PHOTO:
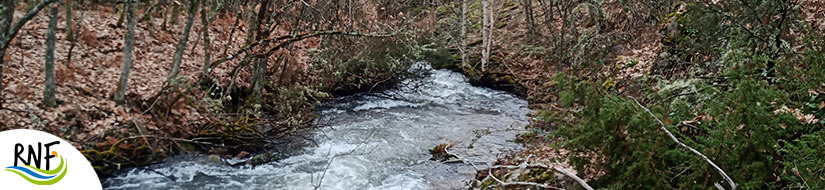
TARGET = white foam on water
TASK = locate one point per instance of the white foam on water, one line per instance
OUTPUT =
(384, 104)
(379, 143)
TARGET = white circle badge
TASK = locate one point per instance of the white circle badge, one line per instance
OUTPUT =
(31, 159)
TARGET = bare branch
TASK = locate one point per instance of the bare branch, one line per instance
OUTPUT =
(22, 21)
(289, 39)
(490, 173)
(351, 152)
(672, 137)
(555, 169)
(524, 165)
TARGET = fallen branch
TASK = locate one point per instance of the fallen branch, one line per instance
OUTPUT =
(447, 150)
(524, 165)
(503, 184)
(541, 166)
(672, 137)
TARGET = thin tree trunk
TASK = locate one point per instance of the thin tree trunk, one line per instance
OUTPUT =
(173, 73)
(528, 17)
(261, 62)
(485, 32)
(232, 32)
(491, 26)
(74, 36)
(173, 17)
(151, 27)
(571, 20)
(252, 25)
(235, 73)
(548, 16)
(6, 16)
(163, 15)
(463, 27)
(284, 66)
(120, 94)
(257, 77)
(8, 32)
(492, 29)
(122, 16)
(147, 15)
(207, 43)
(48, 91)
(69, 17)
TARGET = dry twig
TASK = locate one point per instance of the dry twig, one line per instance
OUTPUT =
(524, 165)
(672, 137)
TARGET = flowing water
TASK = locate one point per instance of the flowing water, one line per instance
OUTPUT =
(376, 141)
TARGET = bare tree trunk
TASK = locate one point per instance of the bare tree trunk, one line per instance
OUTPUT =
(572, 21)
(252, 24)
(528, 17)
(463, 34)
(147, 16)
(261, 62)
(8, 32)
(238, 16)
(120, 18)
(73, 42)
(207, 43)
(257, 77)
(284, 66)
(485, 32)
(491, 26)
(48, 91)
(6, 16)
(548, 16)
(127, 54)
(173, 17)
(163, 15)
(69, 17)
(173, 73)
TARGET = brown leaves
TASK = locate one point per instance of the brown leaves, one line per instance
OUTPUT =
(804, 118)
(111, 140)
(85, 86)
(89, 37)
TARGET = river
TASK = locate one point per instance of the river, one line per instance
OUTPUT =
(377, 141)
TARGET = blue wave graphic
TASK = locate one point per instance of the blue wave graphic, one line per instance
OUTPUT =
(30, 172)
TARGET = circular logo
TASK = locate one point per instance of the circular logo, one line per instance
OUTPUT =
(32, 159)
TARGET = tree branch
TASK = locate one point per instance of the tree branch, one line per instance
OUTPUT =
(23, 20)
(672, 137)
(289, 39)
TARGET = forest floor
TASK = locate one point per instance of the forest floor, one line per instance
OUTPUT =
(87, 74)
(157, 121)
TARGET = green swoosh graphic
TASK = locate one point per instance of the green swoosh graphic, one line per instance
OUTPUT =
(49, 172)
(47, 182)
